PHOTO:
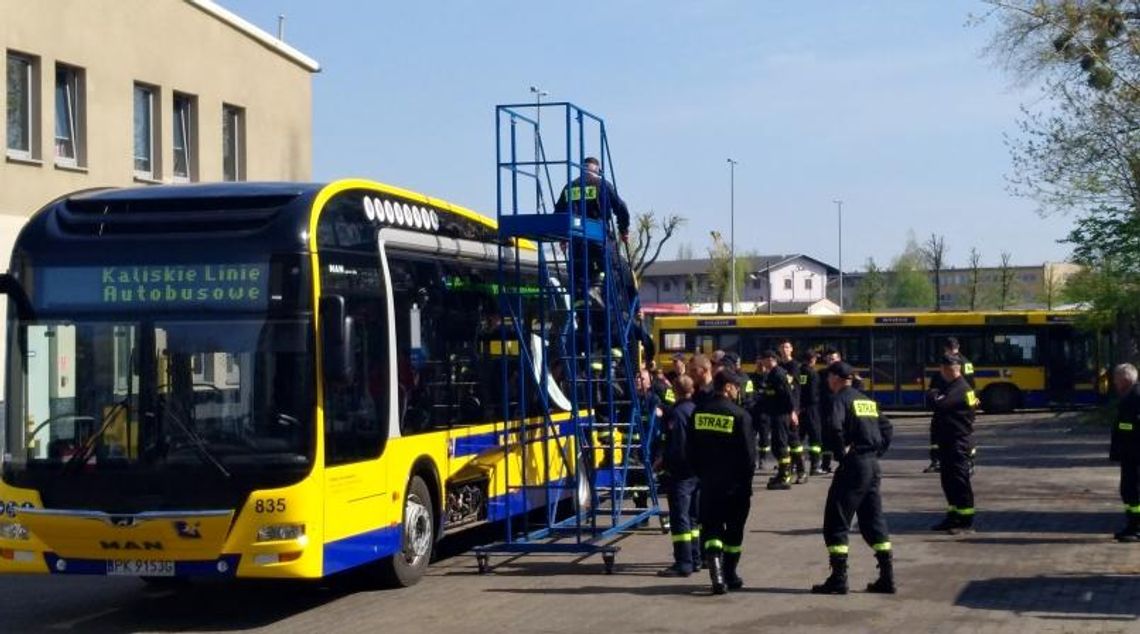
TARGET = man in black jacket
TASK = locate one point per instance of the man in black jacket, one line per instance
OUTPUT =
(1125, 448)
(953, 427)
(950, 346)
(723, 452)
(777, 399)
(810, 430)
(858, 435)
(684, 487)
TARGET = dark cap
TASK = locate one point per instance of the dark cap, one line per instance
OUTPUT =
(726, 376)
(950, 359)
(679, 356)
(950, 342)
(769, 354)
(842, 370)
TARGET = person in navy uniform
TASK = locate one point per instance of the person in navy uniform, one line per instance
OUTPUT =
(1125, 448)
(950, 346)
(858, 435)
(601, 202)
(953, 424)
(683, 484)
(723, 451)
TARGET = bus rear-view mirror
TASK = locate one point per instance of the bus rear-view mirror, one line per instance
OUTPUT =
(336, 340)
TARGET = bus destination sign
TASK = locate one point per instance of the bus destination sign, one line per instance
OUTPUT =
(154, 287)
(895, 320)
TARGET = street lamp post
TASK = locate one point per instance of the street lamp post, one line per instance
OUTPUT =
(732, 229)
(839, 206)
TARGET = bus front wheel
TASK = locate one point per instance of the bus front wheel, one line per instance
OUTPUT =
(417, 537)
(999, 399)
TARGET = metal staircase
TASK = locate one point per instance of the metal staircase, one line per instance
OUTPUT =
(576, 442)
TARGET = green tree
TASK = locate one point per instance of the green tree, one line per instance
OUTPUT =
(720, 271)
(871, 291)
(910, 286)
(1079, 150)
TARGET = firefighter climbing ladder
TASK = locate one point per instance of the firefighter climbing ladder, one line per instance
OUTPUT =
(574, 436)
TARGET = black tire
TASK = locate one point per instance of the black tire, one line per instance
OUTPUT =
(407, 567)
(999, 399)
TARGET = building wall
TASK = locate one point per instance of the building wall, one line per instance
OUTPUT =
(672, 289)
(798, 274)
(171, 45)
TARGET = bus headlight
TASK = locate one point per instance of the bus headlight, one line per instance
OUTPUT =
(280, 532)
(14, 531)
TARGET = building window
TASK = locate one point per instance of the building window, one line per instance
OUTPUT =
(233, 143)
(145, 144)
(807, 283)
(185, 137)
(757, 283)
(788, 284)
(23, 101)
(69, 113)
(666, 286)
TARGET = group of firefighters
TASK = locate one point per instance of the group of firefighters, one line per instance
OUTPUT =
(719, 424)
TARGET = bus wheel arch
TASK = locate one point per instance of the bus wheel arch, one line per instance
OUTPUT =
(1001, 398)
(419, 527)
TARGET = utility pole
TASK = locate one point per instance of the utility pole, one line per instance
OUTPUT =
(732, 229)
(839, 205)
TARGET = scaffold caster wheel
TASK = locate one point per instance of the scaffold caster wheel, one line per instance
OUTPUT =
(482, 562)
(608, 562)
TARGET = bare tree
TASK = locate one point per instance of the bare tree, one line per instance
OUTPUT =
(975, 277)
(649, 237)
(934, 252)
(684, 251)
(1052, 285)
(720, 271)
(1006, 277)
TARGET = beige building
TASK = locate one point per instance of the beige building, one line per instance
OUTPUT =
(133, 92)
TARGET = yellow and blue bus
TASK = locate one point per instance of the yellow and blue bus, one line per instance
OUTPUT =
(1022, 359)
(256, 380)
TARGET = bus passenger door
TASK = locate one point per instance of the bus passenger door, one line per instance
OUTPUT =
(1061, 367)
(911, 363)
(884, 357)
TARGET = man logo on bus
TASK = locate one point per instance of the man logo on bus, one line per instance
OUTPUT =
(186, 530)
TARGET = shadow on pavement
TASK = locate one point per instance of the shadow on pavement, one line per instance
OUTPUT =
(1113, 597)
(1012, 522)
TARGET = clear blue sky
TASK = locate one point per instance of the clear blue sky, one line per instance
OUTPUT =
(888, 105)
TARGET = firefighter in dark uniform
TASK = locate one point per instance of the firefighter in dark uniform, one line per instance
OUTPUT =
(950, 346)
(826, 400)
(858, 435)
(601, 202)
(700, 369)
(684, 487)
(953, 423)
(760, 421)
(1125, 448)
(809, 388)
(778, 402)
(723, 450)
(788, 362)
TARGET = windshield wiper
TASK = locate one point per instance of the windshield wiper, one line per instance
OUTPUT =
(198, 444)
(81, 456)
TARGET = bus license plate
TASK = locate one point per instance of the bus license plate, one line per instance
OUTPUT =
(140, 568)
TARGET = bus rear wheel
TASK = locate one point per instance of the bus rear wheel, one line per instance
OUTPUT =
(999, 399)
(417, 537)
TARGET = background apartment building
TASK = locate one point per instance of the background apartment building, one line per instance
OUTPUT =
(117, 93)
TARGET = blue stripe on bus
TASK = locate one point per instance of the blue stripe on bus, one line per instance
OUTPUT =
(500, 506)
(478, 443)
(181, 568)
(361, 549)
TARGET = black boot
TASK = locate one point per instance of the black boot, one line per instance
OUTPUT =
(731, 579)
(837, 582)
(1131, 530)
(947, 523)
(715, 564)
(780, 481)
(885, 584)
(798, 465)
(682, 561)
(963, 524)
(825, 463)
(814, 471)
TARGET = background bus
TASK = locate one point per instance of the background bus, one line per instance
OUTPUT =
(1021, 359)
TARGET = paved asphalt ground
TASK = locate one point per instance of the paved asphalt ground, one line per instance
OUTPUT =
(1042, 560)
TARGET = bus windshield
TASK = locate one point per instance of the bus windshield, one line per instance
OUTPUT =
(223, 396)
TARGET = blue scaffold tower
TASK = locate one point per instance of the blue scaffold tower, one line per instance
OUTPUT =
(576, 443)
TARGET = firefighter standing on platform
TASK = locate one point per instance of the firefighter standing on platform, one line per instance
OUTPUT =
(953, 424)
(684, 487)
(809, 409)
(1125, 448)
(950, 346)
(858, 435)
(778, 402)
(724, 454)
